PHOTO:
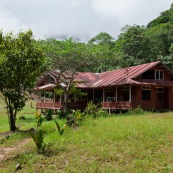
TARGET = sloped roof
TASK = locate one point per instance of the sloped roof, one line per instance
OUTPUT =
(45, 87)
(115, 77)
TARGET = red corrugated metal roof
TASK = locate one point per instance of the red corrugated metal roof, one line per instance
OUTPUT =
(115, 77)
(154, 82)
(120, 76)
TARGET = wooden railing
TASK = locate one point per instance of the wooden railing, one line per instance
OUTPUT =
(116, 105)
(57, 105)
(50, 105)
(82, 105)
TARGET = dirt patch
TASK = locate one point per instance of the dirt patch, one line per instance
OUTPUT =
(4, 152)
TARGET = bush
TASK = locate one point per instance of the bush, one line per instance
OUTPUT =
(37, 136)
(49, 115)
(94, 110)
(102, 113)
(63, 114)
(74, 119)
(136, 111)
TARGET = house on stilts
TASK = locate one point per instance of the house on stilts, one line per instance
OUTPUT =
(149, 86)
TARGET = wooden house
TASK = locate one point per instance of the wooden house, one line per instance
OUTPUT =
(148, 85)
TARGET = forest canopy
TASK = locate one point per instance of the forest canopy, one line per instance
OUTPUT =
(134, 45)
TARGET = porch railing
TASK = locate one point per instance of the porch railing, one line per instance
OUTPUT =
(50, 105)
(82, 105)
(58, 105)
(116, 105)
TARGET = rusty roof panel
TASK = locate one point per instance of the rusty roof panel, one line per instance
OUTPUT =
(122, 76)
(112, 78)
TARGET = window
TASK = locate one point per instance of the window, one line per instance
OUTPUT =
(148, 74)
(126, 90)
(146, 92)
(159, 75)
(159, 90)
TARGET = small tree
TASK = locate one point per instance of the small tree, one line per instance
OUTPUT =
(69, 57)
(22, 63)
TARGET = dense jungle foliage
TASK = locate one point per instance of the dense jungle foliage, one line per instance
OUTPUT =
(135, 45)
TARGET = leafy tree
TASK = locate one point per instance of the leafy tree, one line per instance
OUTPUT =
(22, 64)
(133, 46)
(69, 57)
(168, 60)
(161, 37)
(102, 38)
(165, 17)
(105, 58)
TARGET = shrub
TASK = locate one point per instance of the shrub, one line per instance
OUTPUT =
(102, 112)
(91, 109)
(94, 110)
(38, 120)
(63, 114)
(60, 130)
(37, 136)
(74, 119)
(49, 115)
(136, 111)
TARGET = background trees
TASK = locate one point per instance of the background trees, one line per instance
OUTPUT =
(22, 64)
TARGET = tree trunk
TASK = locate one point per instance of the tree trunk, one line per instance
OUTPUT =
(65, 103)
(12, 120)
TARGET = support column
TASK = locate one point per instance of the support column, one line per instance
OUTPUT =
(93, 96)
(116, 94)
(44, 96)
(103, 95)
(40, 96)
(54, 96)
(60, 98)
(130, 94)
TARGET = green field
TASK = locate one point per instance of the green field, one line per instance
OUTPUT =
(117, 143)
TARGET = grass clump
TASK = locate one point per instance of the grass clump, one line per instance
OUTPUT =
(136, 111)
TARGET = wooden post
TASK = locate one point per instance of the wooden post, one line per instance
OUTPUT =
(44, 96)
(116, 94)
(109, 111)
(130, 95)
(103, 95)
(54, 97)
(93, 96)
(60, 98)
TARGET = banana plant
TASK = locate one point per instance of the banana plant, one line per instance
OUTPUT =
(60, 130)
(38, 138)
(38, 119)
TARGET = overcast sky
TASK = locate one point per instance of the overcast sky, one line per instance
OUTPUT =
(77, 18)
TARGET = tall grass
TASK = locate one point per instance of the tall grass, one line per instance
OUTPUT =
(120, 143)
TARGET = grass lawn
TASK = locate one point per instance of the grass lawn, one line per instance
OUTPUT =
(117, 143)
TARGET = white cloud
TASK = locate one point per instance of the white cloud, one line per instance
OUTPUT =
(77, 18)
(10, 23)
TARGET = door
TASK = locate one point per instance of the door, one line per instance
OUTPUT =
(161, 98)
